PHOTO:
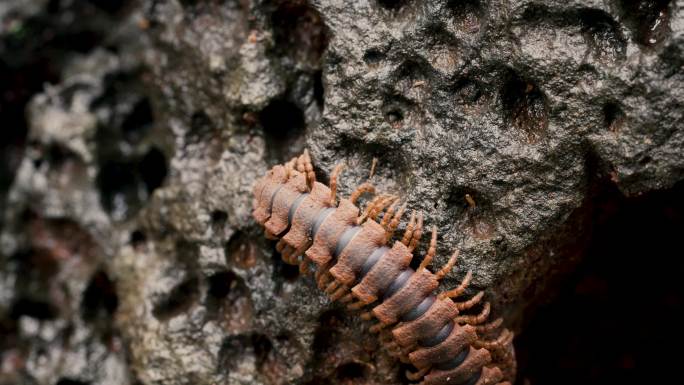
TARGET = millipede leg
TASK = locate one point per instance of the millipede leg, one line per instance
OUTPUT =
(307, 167)
(388, 214)
(475, 319)
(408, 234)
(363, 188)
(394, 223)
(488, 327)
(290, 167)
(374, 163)
(339, 293)
(381, 207)
(333, 183)
(417, 233)
(431, 250)
(417, 375)
(498, 344)
(285, 252)
(291, 255)
(386, 337)
(304, 268)
(356, 305)
(372, 206)
(280, 246)
(453, 293)
(465, 305)
(377, 328)
(349, 297)
(322, 277)
(449, 265)
(332, 287)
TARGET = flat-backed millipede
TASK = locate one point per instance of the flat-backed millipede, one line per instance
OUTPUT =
(356, 264)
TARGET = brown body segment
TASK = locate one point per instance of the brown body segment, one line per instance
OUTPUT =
(321, 251)
(461, 337)
(381, 276)
(418, 287)
(408, 334)
(302, 220)
(352, 258)
(282, 201)
(264, 190)
(289, 203)
(473, 364)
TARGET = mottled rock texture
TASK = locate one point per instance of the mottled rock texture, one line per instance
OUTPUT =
(128, 250)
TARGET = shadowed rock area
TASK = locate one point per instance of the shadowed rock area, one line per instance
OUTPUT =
(133, 132)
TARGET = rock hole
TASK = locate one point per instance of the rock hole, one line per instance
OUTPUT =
(138, 122)
(613, 117)
(468, 91)
(119, 189)
(112, 7)
(373, 56)
(461, 199)
(350, 371)
(282, 270)
(318, 89)
(624, 230)
(71, 381)
(33, 308)
(526, 107)
(649, 20)
(645, 160)
(326, 332)
(219, 219)
(392, 4)
(463, 9)
(396, 109)
(236, 348)
(602, 34)
(283, 124)
(394, 115)
(240, 250)
(412, 70)
(223, 283)
(299, 31)
(179, 300)
(152, 168)
(138, 239)
(225, 289)
(262, 347)
(99, 298)
(201, 126)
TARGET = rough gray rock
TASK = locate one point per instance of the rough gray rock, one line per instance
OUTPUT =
(152, 151)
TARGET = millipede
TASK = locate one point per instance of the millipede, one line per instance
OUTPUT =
(357, 260)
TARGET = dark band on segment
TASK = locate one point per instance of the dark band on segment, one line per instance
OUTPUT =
(454, 362)
(294, 207)
(344, 240)
(270, 206)
(320, 218)
(474, 379)
(398, 283)
(442, 335)
(419, 310)
(372, 260)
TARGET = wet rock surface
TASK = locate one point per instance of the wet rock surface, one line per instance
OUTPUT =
(138, 128)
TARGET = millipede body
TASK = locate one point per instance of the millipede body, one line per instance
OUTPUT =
(358, 261)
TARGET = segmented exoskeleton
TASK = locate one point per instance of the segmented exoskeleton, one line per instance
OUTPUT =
(355, 263)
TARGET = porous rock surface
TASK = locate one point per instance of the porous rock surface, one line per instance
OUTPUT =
(135, 180)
